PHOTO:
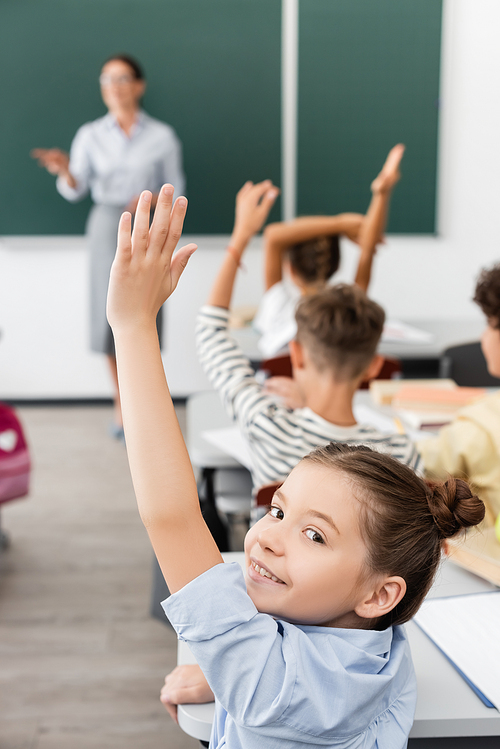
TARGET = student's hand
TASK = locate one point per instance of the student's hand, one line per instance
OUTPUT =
(286, 390)
(253, 203)
(184, 685)
(144, 273)
(54, 160)
(390, 173)
(131, 206)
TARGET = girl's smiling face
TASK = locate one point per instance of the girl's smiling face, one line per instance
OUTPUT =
(305, 560)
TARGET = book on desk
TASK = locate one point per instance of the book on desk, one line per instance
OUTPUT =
(465, 629)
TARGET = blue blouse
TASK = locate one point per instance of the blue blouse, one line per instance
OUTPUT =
(116, 167)
(282, 685)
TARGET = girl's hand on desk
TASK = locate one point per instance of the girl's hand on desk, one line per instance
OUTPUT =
(184, 685)
(145, 271)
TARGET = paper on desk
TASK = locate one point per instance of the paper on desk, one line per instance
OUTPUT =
(466, 629)
(230, 440)
(396, 331)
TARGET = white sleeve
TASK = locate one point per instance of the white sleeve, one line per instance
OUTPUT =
(80, 168)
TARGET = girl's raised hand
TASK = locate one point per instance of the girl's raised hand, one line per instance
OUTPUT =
(253, 203)
(389, 174)
(145, 270)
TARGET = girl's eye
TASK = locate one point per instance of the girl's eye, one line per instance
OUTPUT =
(315, 536)
(276, 512)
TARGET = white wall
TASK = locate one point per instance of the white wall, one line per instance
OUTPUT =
(43, 281)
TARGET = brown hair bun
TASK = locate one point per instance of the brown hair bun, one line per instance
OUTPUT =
(453, 506)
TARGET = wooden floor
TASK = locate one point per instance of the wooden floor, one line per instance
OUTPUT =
(82, 662)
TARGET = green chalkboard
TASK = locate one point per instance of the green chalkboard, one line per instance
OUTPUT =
(368, 78)
(213, 70)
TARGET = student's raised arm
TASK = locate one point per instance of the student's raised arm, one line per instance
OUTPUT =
(253, 203)
(374, 223)
(144, 274)
(279, 237)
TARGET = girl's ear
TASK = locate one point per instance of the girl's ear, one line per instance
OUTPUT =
(383, 598)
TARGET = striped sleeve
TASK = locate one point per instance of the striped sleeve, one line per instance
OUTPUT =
(228, 369)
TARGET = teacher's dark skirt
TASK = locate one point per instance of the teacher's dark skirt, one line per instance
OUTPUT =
(101, 231)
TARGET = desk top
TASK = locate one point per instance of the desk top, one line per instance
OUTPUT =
(205, 411)
(446, 705)
(446, 333)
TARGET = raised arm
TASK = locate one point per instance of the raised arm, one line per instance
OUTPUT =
(375, 221)
(144, 274)
(280, 236)
(253, 203)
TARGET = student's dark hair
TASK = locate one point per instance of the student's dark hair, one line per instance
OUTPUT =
(403, 518)
(316, 260)
(134, 66)
(487, 294)
(340, 327)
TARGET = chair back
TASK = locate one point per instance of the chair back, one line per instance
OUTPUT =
(266, 493)
(467, 366)
(281, 366)
(278, 366)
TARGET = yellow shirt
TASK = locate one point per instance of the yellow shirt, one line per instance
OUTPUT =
(469, 448)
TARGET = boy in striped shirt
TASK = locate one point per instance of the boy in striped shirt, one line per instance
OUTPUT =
(338, 331)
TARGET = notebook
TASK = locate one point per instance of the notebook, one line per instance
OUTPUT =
(467, 630)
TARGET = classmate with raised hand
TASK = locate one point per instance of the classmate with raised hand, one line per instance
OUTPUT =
(338, 331)
(301, 255)
(307, 648)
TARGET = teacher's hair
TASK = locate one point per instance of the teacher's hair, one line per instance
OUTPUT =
(131, 62)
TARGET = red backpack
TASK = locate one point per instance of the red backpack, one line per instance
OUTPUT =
(14, 457)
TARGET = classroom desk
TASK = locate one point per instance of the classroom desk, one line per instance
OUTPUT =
(446, 706)
(446, 333)
(205, 411)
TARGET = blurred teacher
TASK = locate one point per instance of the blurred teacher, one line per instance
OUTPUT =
(115, 157)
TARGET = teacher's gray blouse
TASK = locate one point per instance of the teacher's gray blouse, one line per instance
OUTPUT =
(116, 167)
